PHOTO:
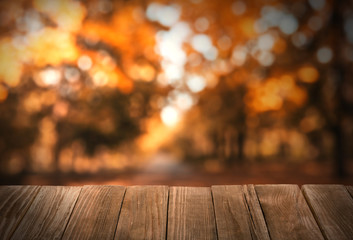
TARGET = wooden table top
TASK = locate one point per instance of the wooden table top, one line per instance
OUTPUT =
(162, 212)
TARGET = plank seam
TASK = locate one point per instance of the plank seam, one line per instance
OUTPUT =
(73, 209)
(214, 212)
(251, 219)
(25, 212)
(166, 228)
(121, 206)
(313, 213)
(263, 213)
(346, 187)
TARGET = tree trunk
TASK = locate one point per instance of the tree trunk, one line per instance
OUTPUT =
(339, 69)
(240, 142)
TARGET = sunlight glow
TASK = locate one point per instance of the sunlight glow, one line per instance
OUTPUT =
(165, 15)
(239, 55)
(30, 22)
(95, 73)
(201, 43)
(181, 99)
(170, 47)
(196, 83)
(84, 63)
(67, 14)
(50, 76)
(100, 78)
(265, 58)
(172, 51)
(170, 116)
(10, 66)
(211, 54)
(173, 71)
(184, 101)
(266, 42)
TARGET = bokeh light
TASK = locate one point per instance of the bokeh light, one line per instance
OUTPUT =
(99, 85)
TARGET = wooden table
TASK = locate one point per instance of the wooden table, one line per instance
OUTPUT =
(160, 212)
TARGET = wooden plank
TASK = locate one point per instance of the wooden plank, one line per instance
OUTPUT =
(286, 212)
(96, 213)
(232, 216)
(144, 213)
(191, 214)
(350, 190)
(14, 203)
(258, 225)
(332, 206)
(47, 216)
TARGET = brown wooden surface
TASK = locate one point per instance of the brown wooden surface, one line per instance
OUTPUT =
(14, 203)
(258, 225)
(144, 213)
(333, 208)
(96, 213)
(350, 190)
(286, 213)
(48, 214)
(232, 218)
(191, 214)
(158, 212)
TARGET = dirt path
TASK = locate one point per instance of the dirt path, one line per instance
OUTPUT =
(176, 174)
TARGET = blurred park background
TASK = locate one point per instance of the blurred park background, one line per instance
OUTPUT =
(188, 92)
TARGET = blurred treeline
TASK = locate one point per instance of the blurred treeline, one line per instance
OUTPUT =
(99, 84)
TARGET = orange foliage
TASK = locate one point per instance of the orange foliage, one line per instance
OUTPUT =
(10, 66)
(270, 94)
(52, 46)
(247, 27)
(308, 74)
(67, 14)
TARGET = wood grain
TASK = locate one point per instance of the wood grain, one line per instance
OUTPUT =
(14, 203)
(48, 214)
(258, 225)
(333, 208)
(96, 213)
(286, 213)
(232, 216)
(191, 214)
(350, 190)
(143, 213)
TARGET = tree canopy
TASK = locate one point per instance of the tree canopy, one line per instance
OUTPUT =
(89, 83)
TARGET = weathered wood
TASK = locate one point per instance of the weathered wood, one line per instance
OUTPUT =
(48, 214)
(191, 214)
(232, 216)
(332, 206)
(350, 190)
(14, 203)
(286, 213)
(143, 213)
(258, 225)
(96, 213)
